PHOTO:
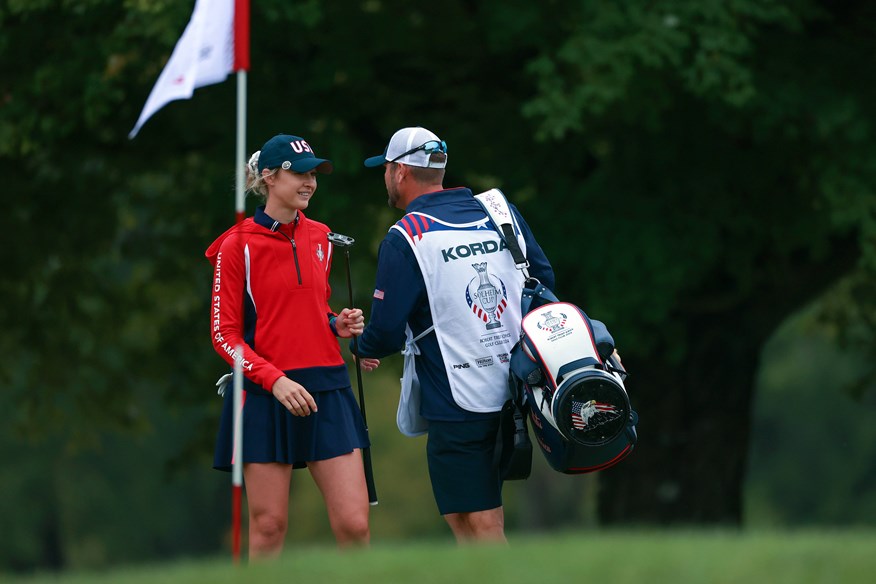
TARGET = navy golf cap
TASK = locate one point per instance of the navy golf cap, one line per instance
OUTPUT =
(291, 153)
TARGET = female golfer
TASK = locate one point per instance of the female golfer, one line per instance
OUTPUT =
(270, 296)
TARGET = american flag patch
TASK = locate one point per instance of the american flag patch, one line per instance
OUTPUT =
(378, 294)
(585, 412)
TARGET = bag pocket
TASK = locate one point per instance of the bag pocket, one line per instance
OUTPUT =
(513, 447)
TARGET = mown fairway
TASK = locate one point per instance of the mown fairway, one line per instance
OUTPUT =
(679, 557)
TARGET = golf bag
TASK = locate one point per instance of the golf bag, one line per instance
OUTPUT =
(563, 375)
(572, 386)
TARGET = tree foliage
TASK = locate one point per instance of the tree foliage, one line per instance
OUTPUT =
(801, 427)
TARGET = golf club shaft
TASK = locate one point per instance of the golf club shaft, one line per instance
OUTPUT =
(366, 452)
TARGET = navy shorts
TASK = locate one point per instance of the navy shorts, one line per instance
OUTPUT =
(272, 434)
(460, 455)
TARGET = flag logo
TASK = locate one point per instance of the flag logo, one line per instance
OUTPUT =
(592, 414)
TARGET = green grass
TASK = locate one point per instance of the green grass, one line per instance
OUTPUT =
(603, 557)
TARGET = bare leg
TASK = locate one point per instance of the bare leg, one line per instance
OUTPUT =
(342, 483)
(479, 526)
(267, 496)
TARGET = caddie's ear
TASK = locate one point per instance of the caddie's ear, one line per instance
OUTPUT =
(402, 170)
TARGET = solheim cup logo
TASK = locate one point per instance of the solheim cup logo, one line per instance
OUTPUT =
(551, 323)
(486, 301)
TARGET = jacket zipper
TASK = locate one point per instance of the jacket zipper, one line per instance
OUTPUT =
(294, 249)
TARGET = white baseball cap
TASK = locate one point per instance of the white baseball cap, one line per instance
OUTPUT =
(414, 147)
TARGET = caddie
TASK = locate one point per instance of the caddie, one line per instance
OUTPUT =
(448, 293)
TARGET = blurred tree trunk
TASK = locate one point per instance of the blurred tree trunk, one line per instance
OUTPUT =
(694, 431)
(51, 541)
(689, 465)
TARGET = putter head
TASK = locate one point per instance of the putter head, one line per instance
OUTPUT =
(339, 240)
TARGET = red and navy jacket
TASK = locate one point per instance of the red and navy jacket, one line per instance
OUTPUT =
(270, 295)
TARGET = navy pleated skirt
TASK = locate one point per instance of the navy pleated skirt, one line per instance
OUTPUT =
(272, 434)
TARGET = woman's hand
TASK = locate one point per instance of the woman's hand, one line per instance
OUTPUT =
(350, 322)
(294, 397)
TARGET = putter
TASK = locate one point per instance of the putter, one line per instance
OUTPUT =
(345, 242)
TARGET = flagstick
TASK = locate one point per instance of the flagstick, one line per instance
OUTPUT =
(200, 58)
(241, 138)
(237, 460)
(237, 464)
(241, 66)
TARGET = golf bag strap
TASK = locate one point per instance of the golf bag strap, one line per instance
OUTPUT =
(535, 294)
(496, 207)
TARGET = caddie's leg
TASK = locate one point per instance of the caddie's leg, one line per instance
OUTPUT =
(267, 496)
(479, 526)
(341, 480)
(465, 479)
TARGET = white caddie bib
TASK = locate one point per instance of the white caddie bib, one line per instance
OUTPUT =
(474, 294)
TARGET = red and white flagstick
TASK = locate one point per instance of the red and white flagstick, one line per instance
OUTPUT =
(241, 66)
(237, 460)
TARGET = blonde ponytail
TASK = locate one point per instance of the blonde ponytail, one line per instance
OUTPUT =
(255, 182)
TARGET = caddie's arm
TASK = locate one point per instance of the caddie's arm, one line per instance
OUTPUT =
(398, 290)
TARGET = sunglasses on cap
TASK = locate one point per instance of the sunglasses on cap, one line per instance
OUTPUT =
(429, 147)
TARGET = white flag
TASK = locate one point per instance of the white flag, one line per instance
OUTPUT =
(204, 55)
